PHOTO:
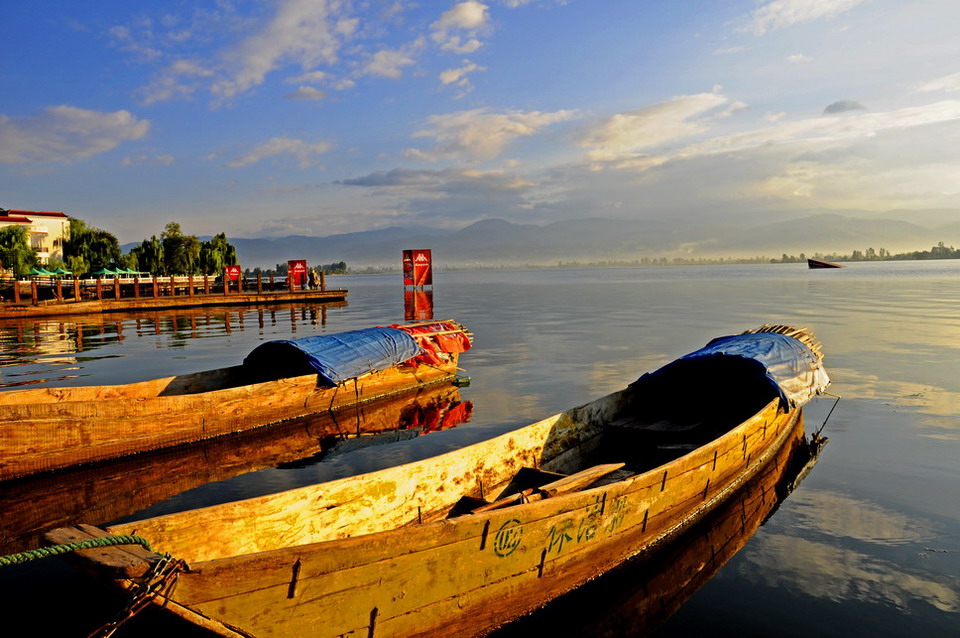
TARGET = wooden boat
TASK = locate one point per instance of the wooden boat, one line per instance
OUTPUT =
(465, 541)
(819, 263)
(53, 428)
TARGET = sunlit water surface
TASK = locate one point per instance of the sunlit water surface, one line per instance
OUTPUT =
(869, 544)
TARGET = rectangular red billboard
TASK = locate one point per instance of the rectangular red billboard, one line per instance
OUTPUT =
(297, 272)
(417, 267)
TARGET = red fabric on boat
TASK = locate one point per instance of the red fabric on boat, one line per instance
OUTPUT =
(435, 339)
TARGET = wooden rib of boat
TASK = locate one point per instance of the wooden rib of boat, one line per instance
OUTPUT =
(819, 263)
(468, 540)
(53, 428)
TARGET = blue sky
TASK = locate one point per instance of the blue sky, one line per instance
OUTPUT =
(319, 117)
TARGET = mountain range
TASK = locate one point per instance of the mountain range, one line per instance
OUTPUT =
(496, 242)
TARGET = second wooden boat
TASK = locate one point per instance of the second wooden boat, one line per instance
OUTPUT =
(463, 542)
(52, 428)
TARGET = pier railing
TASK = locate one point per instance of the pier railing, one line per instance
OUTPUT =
(43, 289)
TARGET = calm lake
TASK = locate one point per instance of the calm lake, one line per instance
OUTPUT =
(869, 544)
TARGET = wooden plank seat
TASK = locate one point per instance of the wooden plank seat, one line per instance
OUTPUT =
(563, 485)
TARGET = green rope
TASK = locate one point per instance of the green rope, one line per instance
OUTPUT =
(56, 550)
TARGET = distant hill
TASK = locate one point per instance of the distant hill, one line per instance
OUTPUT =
(496, 241)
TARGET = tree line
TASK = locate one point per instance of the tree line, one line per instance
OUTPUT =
(90, 249)
(940, 251)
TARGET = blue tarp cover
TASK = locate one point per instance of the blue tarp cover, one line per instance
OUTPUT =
(795, 370)
(335, 358)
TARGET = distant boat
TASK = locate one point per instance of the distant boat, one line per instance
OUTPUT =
(819, 263)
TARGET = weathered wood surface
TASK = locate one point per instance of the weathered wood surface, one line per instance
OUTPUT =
(53, 428)
(284, 564)
(111, 490)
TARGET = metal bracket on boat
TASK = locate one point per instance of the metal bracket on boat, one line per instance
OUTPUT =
(161, 577)
(824, 424)
(461, 382)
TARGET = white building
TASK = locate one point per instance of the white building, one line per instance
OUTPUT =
(47, 231)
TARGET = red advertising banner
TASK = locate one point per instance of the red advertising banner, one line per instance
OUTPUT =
(297, 272)
(233, 272)
(417, 267)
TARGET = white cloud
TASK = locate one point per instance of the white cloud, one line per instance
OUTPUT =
(389, 63)
(303, 151)
(799, 58)
(306, 32)
(946, 84)
(481, 134)
(457, 28)
(313, 77)
(66, 133)
(781, 14)
(306, 93)
(459, 76)
(624, 134)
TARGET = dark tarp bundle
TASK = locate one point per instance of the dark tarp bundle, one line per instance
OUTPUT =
(335, 358)
(793, 370)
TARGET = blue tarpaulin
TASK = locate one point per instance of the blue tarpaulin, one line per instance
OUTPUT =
(335, 358)
(792, 368)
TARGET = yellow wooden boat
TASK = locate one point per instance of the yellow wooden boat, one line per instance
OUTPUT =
(463, 542)
(52, 428)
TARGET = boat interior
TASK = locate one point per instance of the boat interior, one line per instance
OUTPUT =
(659, 418)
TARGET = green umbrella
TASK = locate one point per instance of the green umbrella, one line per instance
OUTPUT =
(41, 271)
(105, 272)
(62, 271)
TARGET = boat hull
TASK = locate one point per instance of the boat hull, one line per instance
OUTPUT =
(54, 428)
(463, 575)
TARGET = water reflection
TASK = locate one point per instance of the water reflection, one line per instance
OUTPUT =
(827, 572)
(40, 351)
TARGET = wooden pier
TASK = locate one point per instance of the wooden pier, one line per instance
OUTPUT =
(48, 296)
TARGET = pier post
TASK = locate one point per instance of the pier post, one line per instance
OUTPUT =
(99, 289)
(323, 281)
(34, 291)
(271, 283)
(76, 288)
(226, 282)
(173, 287)
(16, 290)
(259, 283)
(136, 287)
(59, 289)
(116, 288)
(156, 287)
(189, 285)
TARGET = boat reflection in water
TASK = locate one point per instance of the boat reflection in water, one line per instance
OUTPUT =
(636, 598)
(111, 490)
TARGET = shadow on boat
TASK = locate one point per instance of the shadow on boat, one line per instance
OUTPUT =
(639, 596)
(110, 490)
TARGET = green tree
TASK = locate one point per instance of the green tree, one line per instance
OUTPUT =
(90, 248)
(215, 254)
(147, 257)
(16, 254)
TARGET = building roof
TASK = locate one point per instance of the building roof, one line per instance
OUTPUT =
(14, 220)
(31, 213)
